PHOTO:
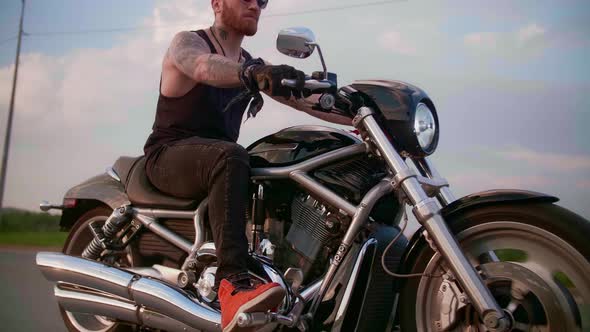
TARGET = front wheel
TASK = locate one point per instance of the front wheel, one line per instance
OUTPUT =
(534, 258)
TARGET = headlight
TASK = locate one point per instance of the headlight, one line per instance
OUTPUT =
(425, 127)
(407, 114)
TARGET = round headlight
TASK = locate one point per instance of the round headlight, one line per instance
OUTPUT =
(424, 126)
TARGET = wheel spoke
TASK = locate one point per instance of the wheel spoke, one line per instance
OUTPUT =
(517, 291)
(512, 306)
(539, 328)
(488, 257)
(520, 326)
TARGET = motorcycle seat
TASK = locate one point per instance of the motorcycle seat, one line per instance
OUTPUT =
(141, 192)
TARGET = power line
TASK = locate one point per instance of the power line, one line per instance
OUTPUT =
(89, 31)
(4, 41)
(155, 27)
(327, 9)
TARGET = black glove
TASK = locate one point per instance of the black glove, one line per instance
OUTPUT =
(257, 76)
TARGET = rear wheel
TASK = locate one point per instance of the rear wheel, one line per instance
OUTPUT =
(533, 257)
(79, 237)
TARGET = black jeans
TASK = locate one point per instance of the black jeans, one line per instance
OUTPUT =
(199, 167)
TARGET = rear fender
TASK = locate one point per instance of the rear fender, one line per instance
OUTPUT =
(99, 190)
(474, 201)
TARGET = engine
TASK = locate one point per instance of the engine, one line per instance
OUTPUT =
(310, 231)
(312, 226)
(306, 236)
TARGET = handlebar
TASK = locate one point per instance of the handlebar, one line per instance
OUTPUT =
(309, 84)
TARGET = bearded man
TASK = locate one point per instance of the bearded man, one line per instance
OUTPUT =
(192, 150)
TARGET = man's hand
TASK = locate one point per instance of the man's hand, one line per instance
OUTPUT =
(267, 78)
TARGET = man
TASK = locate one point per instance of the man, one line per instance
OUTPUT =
(192, 152)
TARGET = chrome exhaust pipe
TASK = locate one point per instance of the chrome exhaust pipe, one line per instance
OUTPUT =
(125, 292)
(85, 302)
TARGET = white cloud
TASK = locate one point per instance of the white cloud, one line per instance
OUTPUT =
(394, 41)
(179, 15)
(583, 184)
(77, 112)
(546, 160)
(482, 40)
(410, 36)
(530, 33)
(475, 181)
(529, 40)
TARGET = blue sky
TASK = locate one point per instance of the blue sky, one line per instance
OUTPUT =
(72, 15)
(509, 79)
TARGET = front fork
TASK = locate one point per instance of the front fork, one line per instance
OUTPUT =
(427, 213)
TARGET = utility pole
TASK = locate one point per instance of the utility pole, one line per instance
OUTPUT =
(11, 111)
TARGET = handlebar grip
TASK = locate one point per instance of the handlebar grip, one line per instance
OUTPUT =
(309, 84)
(289, 83)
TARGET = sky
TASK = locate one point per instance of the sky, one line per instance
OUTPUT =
(509, 79)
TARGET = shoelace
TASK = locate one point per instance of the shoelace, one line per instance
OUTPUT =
(240, 288)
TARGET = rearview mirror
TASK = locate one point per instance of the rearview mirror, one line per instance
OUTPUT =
(296, 42)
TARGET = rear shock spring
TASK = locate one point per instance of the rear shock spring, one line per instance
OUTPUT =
(103, 235)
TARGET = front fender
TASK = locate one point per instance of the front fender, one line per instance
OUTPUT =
(496, 196)
(474, 201)
(101, 189)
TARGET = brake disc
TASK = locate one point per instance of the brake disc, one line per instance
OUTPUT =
(525, 297)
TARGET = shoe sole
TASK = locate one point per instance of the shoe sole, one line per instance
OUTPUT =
(273, 296)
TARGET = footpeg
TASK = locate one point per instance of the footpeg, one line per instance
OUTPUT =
(262, 318)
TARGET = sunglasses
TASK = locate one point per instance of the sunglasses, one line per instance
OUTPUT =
(261, 3)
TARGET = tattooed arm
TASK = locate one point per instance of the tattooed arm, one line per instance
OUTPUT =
(191, 55)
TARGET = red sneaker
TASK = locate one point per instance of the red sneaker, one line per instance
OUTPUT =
(234, 301)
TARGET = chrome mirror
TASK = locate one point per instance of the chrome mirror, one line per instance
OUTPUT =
(296, 42)
(299, 43)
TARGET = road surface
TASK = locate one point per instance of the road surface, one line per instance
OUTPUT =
(26, 298)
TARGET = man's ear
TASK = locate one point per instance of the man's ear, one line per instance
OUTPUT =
(216, 5)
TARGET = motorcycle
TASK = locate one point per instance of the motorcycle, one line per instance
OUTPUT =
(327, 219)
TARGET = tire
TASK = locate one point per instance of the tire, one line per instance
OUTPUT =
(75, 244)
(535, 259)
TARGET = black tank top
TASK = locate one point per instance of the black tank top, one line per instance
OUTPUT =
(198, 113)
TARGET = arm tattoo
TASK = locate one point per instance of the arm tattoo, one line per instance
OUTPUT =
(186, 47)
(219, 71)
(192, 56)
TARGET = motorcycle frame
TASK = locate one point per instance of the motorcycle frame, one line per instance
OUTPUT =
(427, 193)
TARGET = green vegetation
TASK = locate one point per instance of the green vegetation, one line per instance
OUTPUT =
(20, 227)
(36, 239)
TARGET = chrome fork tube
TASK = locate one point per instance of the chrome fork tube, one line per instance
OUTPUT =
(428, 214)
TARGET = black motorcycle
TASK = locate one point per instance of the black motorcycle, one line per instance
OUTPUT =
(326, 221)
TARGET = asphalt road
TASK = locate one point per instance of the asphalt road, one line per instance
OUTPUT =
(26, 298)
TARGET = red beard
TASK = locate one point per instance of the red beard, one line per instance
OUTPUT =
(230, 18)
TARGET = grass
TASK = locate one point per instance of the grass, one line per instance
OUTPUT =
(14, 220)
(26, 228)
(35, 239)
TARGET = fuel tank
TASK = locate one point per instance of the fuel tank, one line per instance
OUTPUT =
(296, 144)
